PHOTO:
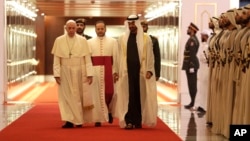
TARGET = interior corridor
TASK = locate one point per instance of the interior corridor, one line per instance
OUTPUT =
(185, 123)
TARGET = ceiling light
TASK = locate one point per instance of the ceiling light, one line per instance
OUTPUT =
(22, 9)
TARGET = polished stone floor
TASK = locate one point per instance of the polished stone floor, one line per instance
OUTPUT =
(185, 123)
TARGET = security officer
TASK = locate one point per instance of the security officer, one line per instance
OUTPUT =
(81, 24)
(156, 50)
(191, 62)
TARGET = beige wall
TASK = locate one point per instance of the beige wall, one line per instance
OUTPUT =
(49, 27)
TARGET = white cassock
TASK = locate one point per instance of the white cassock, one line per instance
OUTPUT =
(148, 92)
(103, 54)
(72, 63)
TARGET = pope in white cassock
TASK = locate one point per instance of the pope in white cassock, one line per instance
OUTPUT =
(103, 55)
(73, 72)
(136, 88)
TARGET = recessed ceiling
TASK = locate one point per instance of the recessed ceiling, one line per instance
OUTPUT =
(92, 8)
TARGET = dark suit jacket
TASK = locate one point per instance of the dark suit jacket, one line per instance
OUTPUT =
(87, 36)
(190, 59)
(157, 56)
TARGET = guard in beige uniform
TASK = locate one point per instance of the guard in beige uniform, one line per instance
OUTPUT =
(244, 97)
(242, 20)
(227, 71)
(216, 80)
(214, 26)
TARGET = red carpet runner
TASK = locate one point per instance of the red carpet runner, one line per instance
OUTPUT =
(42, 123)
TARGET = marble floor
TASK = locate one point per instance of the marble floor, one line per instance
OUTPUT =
(185, 123)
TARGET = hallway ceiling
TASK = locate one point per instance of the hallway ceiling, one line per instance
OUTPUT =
(92, 8)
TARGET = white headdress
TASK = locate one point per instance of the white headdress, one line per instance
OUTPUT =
(230, 14)
(139, 35)
(207, 32)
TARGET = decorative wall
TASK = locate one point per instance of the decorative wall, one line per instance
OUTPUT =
(20, 41)
(165, 26)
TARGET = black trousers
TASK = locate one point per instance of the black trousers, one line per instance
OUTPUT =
(192, 85)
(133, 115)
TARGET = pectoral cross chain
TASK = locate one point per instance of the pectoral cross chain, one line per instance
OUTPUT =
(70, 42)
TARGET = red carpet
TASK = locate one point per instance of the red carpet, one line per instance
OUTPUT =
(49, 95)
(42, 93)
(42, 123)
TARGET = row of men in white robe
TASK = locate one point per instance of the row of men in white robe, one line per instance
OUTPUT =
(229, 58)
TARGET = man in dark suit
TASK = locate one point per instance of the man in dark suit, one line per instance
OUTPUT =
(191, 62)
(81, 24)
(156, 50)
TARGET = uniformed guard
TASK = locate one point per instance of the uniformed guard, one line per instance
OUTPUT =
(191, 62)
(244, 96)
(236, 119)
(214, 26)
(227, 71)
(81, 24)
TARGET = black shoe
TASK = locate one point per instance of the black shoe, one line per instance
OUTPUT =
(110, 118)
(129, 126)
(98, 124)
(68, 125)
(188, 106)
(138, 126)
(209, 124)
(201, 110)
(78, 126)
(201, 115)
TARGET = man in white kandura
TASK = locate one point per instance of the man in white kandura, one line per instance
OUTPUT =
(203, 75)
(73, 73)
(103, 55)
(136, 88)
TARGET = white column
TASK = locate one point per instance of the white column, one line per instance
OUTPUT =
(3, 74)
